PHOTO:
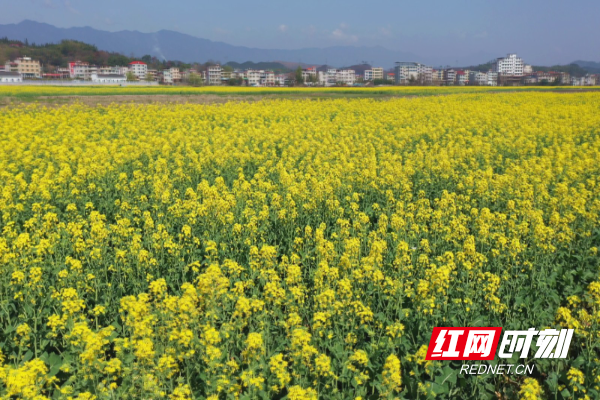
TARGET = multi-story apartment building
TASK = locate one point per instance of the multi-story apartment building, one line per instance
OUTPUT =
(267, 78)
(327, 78)
(449, 77)
(406, 72)
(226, 76)
(377, 73)
(511, 65)
(462, 78)
(391, 77)
(262, 77)
(309, 75)
(374, 73)
(578, 81)
(477, 78)
(345, 77)
(175, 74)
(437, 77)
(81, 70)
(166, 77)
(540, 77)
(112, 70)
(152, 75)
(214, 75)
(63, 73)
(565, 78)
(590, 80)
(139, 69)
(25, 66)
(284, 79)
(252, 77)
(28, 68)
(11, 66)
(492, 78)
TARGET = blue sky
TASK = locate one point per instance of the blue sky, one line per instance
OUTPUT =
(541, 31)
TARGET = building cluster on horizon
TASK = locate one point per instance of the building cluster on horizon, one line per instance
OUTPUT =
(504, 71)
(509, 70)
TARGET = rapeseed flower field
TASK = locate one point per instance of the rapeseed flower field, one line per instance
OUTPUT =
(300, 249)
(25, 92)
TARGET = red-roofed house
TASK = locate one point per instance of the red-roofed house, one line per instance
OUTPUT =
(139, 69)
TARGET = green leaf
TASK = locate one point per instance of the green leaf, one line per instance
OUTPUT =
(449, 375)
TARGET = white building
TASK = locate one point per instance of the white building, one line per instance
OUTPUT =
(139, 69)
(214, 75)
(492, 78)
(345, 77)
(108, 78)
(10, 77)
(252, 77)
(333, 77)
(267, 78)
(413, 71)
(327, 78)
(82, 70)
(309, 75)
(281, 79)
(589, 80)
(374, 73)
(115, 70)
(511, 65)
(11, 66)
(449, 77)
(477, 78)
(462, 78)
(167, 77)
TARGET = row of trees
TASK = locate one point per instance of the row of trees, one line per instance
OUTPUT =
(59, 54)
(53, 55)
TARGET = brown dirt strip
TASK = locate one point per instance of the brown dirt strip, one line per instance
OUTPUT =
(104, 100)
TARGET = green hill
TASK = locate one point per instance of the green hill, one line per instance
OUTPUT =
(53, 55)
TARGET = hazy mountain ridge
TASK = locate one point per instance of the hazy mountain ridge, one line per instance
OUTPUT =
(590, 66)
(171, 45)
(178, 46)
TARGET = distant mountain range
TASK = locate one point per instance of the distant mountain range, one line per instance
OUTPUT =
(172, 45)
